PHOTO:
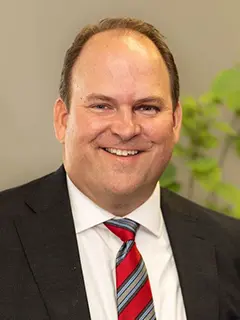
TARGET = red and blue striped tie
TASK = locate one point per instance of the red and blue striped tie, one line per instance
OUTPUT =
(134, 296)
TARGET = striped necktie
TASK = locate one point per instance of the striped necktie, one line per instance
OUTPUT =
(134, 296)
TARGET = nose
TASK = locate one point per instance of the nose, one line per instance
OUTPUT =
(125, 124)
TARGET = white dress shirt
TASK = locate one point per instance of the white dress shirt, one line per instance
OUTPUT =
(98, 248)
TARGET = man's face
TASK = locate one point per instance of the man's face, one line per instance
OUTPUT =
(120, 101)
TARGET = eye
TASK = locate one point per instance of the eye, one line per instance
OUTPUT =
(149, 109)
(101, 107)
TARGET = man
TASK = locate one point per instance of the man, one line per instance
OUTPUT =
(97, 239)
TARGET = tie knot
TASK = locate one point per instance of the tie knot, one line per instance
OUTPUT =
(124, 228)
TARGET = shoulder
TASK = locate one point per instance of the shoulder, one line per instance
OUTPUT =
(216, 224)
(12, 200)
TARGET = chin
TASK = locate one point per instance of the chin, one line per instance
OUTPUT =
(121, 188)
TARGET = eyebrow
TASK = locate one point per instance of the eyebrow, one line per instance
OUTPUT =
(151, 99)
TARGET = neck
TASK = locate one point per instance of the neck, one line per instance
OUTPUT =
(117, 204)
(121, 205)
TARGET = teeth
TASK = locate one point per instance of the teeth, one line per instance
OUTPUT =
(124, 153)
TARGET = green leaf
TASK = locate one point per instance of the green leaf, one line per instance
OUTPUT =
(237, 146)
(209, 180)
(226, 209)
(206, 141)
(189, 103)
(203, 166)
(169, 176)
(181, 151)
(214, 206)
(175, 187)
(226, 88)
(209, 98)
(211, 111)
(232, 100)
(226, 82)
(206, 172)
(225, 127)
(229, 193)
(236, 211)
(189, 124)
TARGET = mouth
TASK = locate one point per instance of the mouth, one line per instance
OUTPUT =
(122, 153)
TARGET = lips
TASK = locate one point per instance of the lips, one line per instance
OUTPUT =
(121, 152)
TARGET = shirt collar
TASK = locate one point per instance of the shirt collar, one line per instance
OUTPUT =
(87, 214)
(149, 214)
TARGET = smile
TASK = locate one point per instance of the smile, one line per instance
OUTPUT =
(123, 153)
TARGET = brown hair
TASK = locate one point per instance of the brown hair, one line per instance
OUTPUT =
(113, 24)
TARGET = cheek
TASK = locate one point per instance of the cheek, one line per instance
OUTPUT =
(83, 128)
(160, 132)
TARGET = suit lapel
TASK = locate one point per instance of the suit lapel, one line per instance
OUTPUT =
(194, 255)
(49, 241)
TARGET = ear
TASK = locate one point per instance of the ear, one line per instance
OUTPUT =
(177, 118)
(60, 117)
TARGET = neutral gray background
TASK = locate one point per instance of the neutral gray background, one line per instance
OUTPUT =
(203, 35)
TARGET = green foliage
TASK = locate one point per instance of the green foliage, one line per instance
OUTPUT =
(200, 131)
(169, 179)
(237, 145)
(226, 87)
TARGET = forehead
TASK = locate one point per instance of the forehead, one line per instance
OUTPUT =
(122, 61)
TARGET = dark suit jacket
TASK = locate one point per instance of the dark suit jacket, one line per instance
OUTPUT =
(40, 269)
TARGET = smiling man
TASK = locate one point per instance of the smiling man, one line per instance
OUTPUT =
(120, 124)
(98, 238)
